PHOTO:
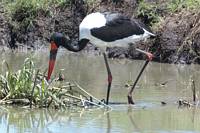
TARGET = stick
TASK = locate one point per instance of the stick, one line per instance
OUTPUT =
(92, 96)
(194, 91)
(82, 99)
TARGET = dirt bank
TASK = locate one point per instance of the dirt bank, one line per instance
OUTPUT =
(178, 39)
(177, 32)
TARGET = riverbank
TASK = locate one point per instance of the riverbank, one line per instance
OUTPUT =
(176, 24)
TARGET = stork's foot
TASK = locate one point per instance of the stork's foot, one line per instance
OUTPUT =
(130, 99)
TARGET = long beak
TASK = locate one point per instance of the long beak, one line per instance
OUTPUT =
(52, 59)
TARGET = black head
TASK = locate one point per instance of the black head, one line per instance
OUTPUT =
(59, 39)
(56, 40)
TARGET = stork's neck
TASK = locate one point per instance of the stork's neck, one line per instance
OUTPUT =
(76, 47)
(61, 40)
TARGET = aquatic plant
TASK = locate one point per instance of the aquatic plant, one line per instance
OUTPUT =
(28, 86)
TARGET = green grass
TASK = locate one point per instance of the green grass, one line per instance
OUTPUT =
(178, 5)
(149, 12)
(22, 13)
(21, 85)
(30, 8)
(16, 85)
(153, 12)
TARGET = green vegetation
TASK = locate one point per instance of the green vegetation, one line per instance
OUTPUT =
(152, 12)
(178, 5)
(22, 12)
(148, 11)
(28, 86)
(16, 85)
(31, 8)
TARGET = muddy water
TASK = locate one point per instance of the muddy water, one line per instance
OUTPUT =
(160, 82)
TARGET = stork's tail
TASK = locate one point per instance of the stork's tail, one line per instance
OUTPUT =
(149, 33)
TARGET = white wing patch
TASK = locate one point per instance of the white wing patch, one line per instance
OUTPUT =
(93, 20)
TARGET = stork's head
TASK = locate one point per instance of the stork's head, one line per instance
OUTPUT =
(56, 40)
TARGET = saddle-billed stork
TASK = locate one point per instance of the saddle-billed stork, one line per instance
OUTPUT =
(103, 30)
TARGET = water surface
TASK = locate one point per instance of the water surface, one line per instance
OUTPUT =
(88, 70)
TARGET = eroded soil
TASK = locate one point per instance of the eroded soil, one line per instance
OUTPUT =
(177, 38)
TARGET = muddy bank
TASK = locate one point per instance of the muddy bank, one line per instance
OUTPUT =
(177, 33)
(178, 39)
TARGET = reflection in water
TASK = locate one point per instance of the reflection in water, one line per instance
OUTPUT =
(109, 126)
(44, 120)
(120, 119)
(135, 126)
(160, 82)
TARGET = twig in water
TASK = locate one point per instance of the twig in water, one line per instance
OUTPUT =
(2, 100)
(184, 103)
(194, 91)
(92, 96)
(82, 99)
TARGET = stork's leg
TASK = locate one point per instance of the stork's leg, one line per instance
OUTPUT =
(149, 58)
(109, 77)
(130, 99)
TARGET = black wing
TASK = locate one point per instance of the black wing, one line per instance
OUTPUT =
(117, 27)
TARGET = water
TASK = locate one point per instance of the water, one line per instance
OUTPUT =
(88, 70)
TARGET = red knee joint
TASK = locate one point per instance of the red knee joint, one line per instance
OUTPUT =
(150, 56)
(109, 78)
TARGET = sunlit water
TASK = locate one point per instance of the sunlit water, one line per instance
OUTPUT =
(88, 70)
